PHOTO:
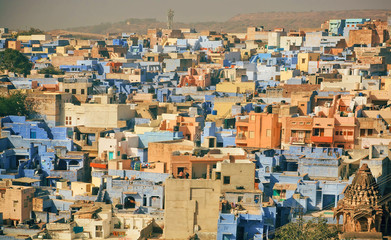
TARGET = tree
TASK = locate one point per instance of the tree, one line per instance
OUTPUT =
(16, 104)
(30, 32)
(310, 230)
(14, 61)
(51, 70)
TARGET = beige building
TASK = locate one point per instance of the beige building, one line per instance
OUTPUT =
(99, 222)
(80, 88)
(235, 176)
(50, 104)
(118, 144)
(16, 203)
(81, 188)
(191, 207)
(97, 115)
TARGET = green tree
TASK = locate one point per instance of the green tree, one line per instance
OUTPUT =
(16, 103)
(14, 61)
(30, 32)
(51, 70)
(310, 230)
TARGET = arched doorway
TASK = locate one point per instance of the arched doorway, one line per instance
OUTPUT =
(362, 224)
(129, 202)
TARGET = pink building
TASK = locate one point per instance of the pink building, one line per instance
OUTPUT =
(196, 77)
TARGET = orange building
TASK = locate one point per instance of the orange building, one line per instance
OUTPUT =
(323, 132)
(16, 203)
(296, 130)
(196, 77)
(259, 130)
(189, 126)
(16, 45)
(115, 67)
(201, 165)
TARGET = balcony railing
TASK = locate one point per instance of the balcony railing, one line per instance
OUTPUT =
(322, 139)
(297, 140)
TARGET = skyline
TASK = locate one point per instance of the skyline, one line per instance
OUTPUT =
(55, 14)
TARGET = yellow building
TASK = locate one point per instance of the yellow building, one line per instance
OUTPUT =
(288, 74)
(81, 188)
(304, 58)
(236, 87)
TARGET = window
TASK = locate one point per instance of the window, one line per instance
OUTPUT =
(268, 133)
(293, 123)
(350, 133)
(303, 60)
(73, 91)
(15, 203)
(252, 135)
(252, 117)
(301, 123)
(218, 175)
(118, 153)
(98, 228)
(336, 133)
(67, 90)
(308, 123)
(82, 91)
(227, 179)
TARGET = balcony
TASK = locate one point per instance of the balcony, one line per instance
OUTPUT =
(321, 139)
(241, 140)
(99, 164)
(297, 140)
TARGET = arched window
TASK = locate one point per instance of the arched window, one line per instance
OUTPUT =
(267, 169)
(129, 202)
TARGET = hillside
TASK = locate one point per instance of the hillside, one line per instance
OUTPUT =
(239, 23)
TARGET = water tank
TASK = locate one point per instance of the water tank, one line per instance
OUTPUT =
(110, 91)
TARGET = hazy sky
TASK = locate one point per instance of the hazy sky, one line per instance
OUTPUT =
(53, 14)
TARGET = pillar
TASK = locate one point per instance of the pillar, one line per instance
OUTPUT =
(208, 171)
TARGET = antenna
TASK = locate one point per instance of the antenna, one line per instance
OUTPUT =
(170, 18)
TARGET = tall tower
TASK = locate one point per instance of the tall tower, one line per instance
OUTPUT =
(363, 208)
(170, 18)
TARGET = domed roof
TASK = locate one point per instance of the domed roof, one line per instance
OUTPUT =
(364, 178)
(363, 190)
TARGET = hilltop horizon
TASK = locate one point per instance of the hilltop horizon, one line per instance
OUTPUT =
(238, 23)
